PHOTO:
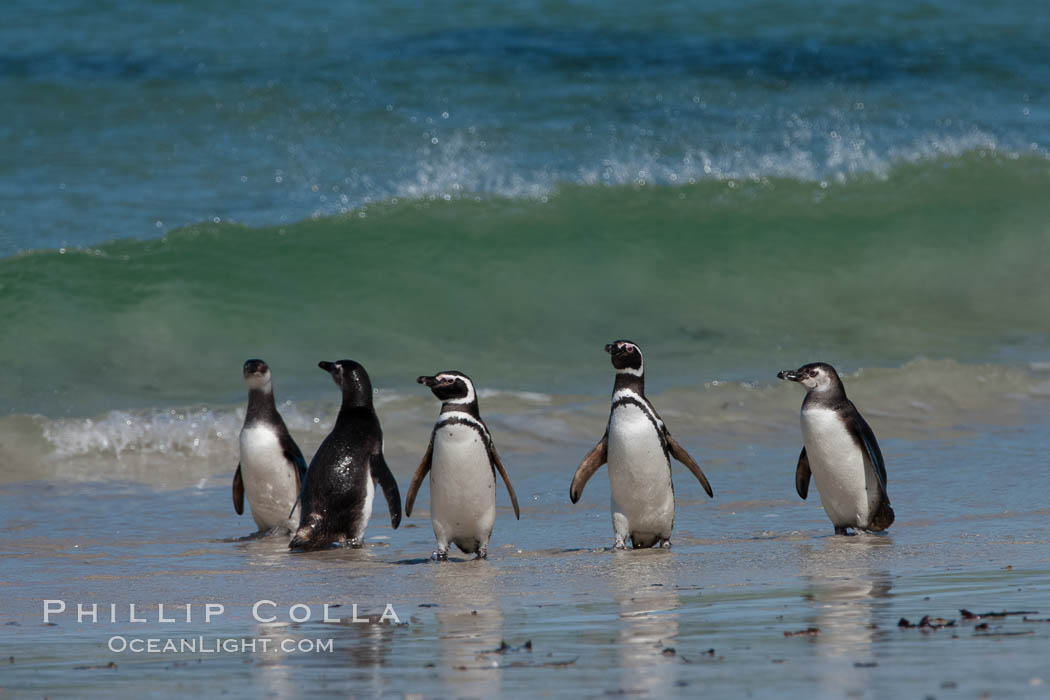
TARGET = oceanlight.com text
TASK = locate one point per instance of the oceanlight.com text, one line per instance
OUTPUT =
(210, 645)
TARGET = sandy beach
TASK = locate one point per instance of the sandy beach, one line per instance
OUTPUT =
(755, 598)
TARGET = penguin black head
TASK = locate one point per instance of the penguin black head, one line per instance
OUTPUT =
(257, 375)
(818, 377)
(451, 387)
(352, 378)
(626, 357)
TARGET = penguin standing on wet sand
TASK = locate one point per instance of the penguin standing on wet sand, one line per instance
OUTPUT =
(462, 462)
(840, 451)
(272, 467)
(340, 483)
(638, 448)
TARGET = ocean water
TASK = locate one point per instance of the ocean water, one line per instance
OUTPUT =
(502, 190)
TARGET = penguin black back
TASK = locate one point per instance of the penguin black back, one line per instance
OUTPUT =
(352, 378)
(341, 480)
(840, 450)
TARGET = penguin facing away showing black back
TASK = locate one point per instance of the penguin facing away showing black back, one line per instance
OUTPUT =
(840, 453)
(272, 468)
(462, 461)
(638, 448)
(336, 500)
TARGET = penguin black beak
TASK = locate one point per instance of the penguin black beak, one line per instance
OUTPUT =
(428, 381)
(612, 348)
(327, 366)
(789, 374)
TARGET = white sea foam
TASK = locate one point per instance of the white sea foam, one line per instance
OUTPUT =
(193, 432)
(179, 447)
(822, 152)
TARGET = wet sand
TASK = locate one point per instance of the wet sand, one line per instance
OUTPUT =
(755, 598)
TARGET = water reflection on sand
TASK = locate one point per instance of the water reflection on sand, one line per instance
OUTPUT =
(846, 588)
(644, 586)
(470, 627)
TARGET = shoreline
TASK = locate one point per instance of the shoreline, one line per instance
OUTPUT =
(196, 446)
(755, 597)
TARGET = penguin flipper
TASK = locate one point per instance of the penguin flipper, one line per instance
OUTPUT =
(865, 436)
(598, 456)
(295, 457)
(802, 474)
(498, 464)
(238, 491)
(884, 515)
(679, 453)
(417, 480)
(382, 476)
(871, 446)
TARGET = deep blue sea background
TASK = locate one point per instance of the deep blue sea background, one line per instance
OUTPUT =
(127, 120)
(504, 189)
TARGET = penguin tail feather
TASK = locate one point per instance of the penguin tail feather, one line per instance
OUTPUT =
(883, 517)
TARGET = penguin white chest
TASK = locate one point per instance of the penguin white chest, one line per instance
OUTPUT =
(269, 480)
(639, 474)
(462, 485)
(838, 468)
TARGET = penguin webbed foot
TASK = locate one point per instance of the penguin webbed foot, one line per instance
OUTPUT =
(274, 531)
(440, 555)
(309, 540)
(620, 543)
(844, 530)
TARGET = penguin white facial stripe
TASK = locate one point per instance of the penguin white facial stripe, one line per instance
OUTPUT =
(469, 398)
(630, 349)
(624, 345)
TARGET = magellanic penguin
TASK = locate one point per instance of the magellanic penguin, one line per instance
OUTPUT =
(462, 461)
(840, 451)
(272, 468)
(341, 480)
(638, 448)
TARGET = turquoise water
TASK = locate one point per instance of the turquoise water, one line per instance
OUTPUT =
(504, 189)
(943, 260)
